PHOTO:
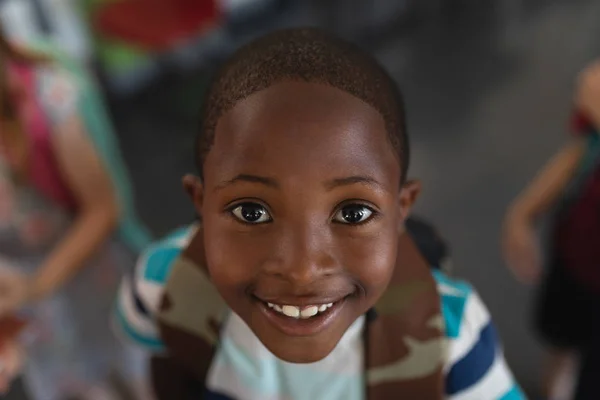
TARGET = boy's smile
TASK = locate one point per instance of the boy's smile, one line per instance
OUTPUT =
(302, 320)
(301, 206)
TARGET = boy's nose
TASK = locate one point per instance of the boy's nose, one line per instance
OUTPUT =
(307, 255)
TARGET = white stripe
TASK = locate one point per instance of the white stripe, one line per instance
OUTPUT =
(179, 242)
(475, 317)
(450, 290)
(492, 386)
(150, 293)
(136, 320)
(183, 240)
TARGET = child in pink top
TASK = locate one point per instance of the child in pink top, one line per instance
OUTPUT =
(64, 196)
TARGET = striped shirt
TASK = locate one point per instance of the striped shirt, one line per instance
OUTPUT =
(243, 368)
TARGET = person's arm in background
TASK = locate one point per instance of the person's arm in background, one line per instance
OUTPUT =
(95, 221)
(587, 97)
(97, 214)
(85, 176)
(549, 183)
(521, 248)
(520, 245)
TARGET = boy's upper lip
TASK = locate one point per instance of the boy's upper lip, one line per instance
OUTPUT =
(302, 301)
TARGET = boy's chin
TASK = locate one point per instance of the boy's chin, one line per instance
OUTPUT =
(303, 340)
(301, 350)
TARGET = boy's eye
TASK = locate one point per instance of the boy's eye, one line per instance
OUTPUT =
(353, 214)
(251, 213)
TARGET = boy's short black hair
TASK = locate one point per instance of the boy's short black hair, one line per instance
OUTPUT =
(309, 55)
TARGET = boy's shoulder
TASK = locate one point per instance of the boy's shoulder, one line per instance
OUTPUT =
(462, 307)
(140, 295)
(155, 263)
(467, 319)
(475, 367)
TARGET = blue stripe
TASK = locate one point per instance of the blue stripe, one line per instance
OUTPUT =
(146, 341)
(470, 369)
(158, 264)
(453, 306)
(459, 285)
(514, 394)
(453, 309)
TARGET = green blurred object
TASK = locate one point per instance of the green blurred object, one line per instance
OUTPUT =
(114, 55)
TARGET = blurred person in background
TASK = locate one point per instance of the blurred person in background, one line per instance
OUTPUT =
(68, 230)
(568, 312)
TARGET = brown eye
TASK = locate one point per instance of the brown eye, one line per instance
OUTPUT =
(353, 214)
(251, 213)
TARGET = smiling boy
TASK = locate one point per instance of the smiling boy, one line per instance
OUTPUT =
(300, 282)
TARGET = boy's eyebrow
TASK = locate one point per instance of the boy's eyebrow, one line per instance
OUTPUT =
(270, 182)
(351, 180)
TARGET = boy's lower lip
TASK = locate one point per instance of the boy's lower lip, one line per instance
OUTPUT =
(301, 327)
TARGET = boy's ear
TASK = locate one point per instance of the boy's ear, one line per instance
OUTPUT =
(194, 188)
(408, 195)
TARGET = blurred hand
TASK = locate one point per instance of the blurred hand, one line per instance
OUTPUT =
(587, 94)
(15, 290)
(521, 250)
(12, 359)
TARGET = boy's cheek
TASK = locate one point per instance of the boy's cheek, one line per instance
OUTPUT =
(233, 258)
(372, 262)
(228, 263)
(377, 279)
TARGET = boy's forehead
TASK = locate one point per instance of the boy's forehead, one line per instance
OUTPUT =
(302, 99)
(308, 123)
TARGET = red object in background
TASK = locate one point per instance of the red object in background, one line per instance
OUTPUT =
(580, 123)
(156, 25)
(10, 327)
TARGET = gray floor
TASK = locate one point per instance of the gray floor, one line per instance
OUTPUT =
(488, 90)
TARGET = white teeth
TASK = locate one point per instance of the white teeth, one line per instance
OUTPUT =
(298, 312)
(309, 312)
(291, 311)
